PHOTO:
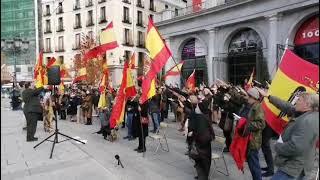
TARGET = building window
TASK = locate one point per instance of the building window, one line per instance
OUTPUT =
(77, 41)
(152, 8)
(151, 17)
(48, 45)
(89, 3)
(126, 18)
(77, 21)
(127, 55)
(139, 4)
(90, 34)
(61, 59)
(60, 24)
(139, 23)
(140, 39)
(90, 18)
(127, 37)
(18, 69)
(103, 14)
(101, 1)
(176, 12)
(140, 63)
(30, 69)
(60, 43)
(60, 9)
(47, 10)
(77, 5)
(166, 6)
(48, 26)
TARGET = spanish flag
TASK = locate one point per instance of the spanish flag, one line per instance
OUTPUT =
(175, 70)
(294, 73)
(108, 41)
(117, 113)
(103, 83)
(250, 81)
(130, 86)
(159, 54)
(81, 75)
(39, 72)
(191, 81)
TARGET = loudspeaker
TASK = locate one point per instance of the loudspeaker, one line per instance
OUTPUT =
(54, 75)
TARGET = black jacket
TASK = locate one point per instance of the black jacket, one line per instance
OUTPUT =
(32, 101)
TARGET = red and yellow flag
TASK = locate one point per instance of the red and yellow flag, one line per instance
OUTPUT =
(191, 81)
(53, 62)
(81, 75)
(130, 87)
(118, 110)
(159, 54)
(250, 81)
(108, 41)
(175, 70)
(40, 72)
(294, 73)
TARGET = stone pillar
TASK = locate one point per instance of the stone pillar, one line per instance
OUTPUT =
(272, 42)
(212, 53)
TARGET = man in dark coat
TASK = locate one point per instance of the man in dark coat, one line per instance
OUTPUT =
(32, 109)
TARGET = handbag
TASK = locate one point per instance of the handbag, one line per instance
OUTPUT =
(144, 120)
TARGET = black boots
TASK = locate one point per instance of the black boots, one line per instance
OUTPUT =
(89, 122)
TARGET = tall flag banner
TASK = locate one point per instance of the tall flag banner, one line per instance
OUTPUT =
(250, 81)
(81, 75)
(130, 87)
(108, 41)
(118, 108)
(61, 87)
(191, 81)
(103, 83)
(294, 74)
(159, 54)
(39, 72)
(174, 71)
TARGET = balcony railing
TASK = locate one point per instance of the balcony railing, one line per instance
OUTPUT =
(47, 31)
(59, 49)
(128, 43)
(59, 10)
(90, 23)
(140, 24)
(77, 26)
(141, 45)
(76, 47)
(47, 50)
(76, 7)
(103, 20)
(101, 1)
(60, 29)
(126, 20)
(152, 8)
(47, 13)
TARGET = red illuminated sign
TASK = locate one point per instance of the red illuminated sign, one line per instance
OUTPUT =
(308, 32)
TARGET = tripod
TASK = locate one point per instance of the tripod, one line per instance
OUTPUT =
(55, 134)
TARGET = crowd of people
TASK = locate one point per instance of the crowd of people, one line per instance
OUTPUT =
(196, 111)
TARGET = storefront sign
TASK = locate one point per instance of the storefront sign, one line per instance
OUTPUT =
(308, 32)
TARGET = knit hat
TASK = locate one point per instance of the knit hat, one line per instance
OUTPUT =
(253, 92)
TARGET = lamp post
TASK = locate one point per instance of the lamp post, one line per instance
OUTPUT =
(15, 46)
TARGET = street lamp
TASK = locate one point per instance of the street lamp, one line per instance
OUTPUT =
(16, 45)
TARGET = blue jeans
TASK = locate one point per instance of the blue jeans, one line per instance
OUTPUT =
(254, 165)
(156, 120)
(280, 175)
(129, 123)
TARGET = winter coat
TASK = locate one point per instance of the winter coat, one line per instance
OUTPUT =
(255, 126)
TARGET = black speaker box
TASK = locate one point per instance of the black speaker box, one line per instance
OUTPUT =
(54, 75)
